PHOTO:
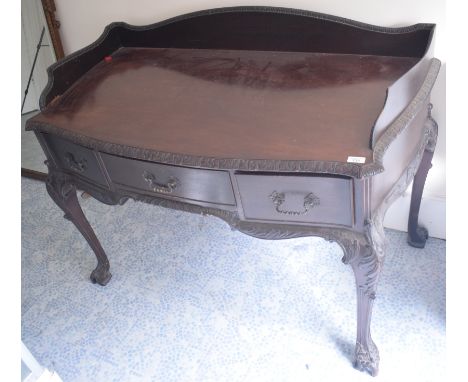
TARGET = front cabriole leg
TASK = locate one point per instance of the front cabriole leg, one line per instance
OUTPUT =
(366, 271)
(63, 192)
(365, 255)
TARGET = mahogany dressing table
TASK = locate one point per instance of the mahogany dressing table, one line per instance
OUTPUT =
(284, 123)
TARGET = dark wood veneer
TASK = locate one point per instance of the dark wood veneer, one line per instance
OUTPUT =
(75, 158)
(205, 102)
(268, 28)
(249, 114)
(209, 186)
(333, 194)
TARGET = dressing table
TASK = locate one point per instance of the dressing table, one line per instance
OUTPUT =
(284, 123)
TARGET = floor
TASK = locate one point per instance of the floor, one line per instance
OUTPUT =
(191, 300)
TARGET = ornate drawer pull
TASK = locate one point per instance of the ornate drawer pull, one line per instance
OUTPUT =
(78, 166)
(167, 188)
(310, 201)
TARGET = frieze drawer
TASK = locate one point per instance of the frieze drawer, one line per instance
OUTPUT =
(75, 158)
(209, 186)
(307, 199)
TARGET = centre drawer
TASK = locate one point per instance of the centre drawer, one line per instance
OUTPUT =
(210, 186)
(297, 198)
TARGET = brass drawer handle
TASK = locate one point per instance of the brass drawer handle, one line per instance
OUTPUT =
(310, 201)
(167, 188)
(78, 166)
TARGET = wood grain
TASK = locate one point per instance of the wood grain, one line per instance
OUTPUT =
(231, 104)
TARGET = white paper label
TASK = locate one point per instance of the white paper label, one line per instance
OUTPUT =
(356, 160)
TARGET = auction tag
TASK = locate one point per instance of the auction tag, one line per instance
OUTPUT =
(356, 160)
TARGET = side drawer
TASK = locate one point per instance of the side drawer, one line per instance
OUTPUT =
(291, 198)
(75, 158)
(210, 186)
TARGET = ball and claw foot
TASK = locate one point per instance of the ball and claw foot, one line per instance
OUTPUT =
(367, 359)
(419, 239)
(373, 371)
(100, 275)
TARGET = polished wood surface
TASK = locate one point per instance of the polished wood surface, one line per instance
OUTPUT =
(193, 184)
(333, 197)
(78, 159)
(246, 28)
(231, 104)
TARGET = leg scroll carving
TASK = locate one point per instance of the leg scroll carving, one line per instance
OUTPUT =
(63, 193)
(417, 235)
(365, 255)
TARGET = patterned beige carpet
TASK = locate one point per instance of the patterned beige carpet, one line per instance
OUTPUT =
(190, 300)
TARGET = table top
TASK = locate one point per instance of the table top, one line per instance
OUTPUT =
(231, 103)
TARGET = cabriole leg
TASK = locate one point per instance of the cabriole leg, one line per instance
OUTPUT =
(417, 235)
(63, 192)
(365, 255)
(366, 353)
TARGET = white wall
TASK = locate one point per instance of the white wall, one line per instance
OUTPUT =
(83, 21)
(32, 21)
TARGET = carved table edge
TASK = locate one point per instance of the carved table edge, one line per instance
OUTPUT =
(317, 166)
(214, 163)
(404, 119)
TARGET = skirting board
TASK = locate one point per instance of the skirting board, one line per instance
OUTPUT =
(431, 215)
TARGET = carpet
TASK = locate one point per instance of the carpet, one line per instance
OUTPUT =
(191, 300)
